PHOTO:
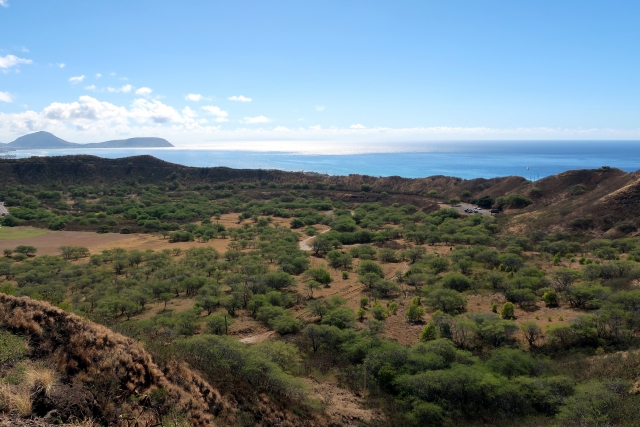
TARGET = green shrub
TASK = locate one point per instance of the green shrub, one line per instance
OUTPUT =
(507, 311)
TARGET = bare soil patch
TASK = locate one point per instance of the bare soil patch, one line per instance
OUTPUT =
(175, 305)
(49, 243)
(343, 407)
(255, 339)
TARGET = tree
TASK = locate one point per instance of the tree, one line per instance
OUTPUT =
(218, 324)
(341, 317)
(379, 312)
(591, 405)
(439, 265)
(321, 244)
(26, 250)
(511, 261)
(311, 285)
(297, 223)
(581, 294)
(320, 275)
(550, 298)
(511, 363)
(447, 300)
(532, 332)
(507, 311)
(456, 281)
(165, 297)
(415, 254)
(414, 313)
(485, 202)
(429, 332)
(562, 278)
(463, 331)
(367, 267)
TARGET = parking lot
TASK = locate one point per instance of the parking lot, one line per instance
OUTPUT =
(462, 206)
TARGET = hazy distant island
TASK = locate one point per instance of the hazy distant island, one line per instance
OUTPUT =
(46, 140)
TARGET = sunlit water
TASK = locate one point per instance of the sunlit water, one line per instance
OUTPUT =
(531, 160)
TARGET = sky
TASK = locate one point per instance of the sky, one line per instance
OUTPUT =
(281, 74)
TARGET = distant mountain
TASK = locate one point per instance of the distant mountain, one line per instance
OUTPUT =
(132, 142)
(46, 140)
(40, 140)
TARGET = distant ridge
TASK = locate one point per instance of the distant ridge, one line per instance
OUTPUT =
(46, 140)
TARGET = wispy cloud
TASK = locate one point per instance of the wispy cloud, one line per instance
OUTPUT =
(5, 97)
(77, 79)
(98, 75)
(256, 120)
(357, 126)
(10, 61)
(239, 98)
(144, 91)
(61, 64)
(320, 108)
(4, 3)
(221, 115)
(194, 97)
(123, 89)
(90, 87)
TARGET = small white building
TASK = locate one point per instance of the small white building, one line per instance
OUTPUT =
(3, 210)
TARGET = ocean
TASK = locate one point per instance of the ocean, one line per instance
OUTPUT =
(467, 160)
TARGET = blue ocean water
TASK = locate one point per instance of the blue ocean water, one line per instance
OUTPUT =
(467, 160)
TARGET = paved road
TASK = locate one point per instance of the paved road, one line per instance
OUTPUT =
(463, 206)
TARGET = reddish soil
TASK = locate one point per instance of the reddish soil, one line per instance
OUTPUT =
(50, 243)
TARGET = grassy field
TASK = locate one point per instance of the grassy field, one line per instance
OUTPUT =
(12, 233)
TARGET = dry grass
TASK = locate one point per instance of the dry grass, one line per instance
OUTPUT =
(99, 359)
(84, 423)
(15, 400)
(40, 379)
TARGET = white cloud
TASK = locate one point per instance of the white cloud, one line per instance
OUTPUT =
(24, 49)
(76, 79)
(193, 97)
(90, 87)
(154, 111)
(319, 108)
(123, 89)
(187, 111)
(239, 98)
(4, 3)
(221, 115)
(98, 75)
(61, 64)
(5, 97)
(357, 126)
(255, 120)
(10, 61)
(144, 91)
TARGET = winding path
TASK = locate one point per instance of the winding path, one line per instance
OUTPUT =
(304, 244)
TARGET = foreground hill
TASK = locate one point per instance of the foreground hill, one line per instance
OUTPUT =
(77, 370)
(46, 140)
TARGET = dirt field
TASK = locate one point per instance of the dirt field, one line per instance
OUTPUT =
(12, 233)
(49, 243)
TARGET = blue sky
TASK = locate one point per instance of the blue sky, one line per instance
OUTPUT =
(309, 73)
